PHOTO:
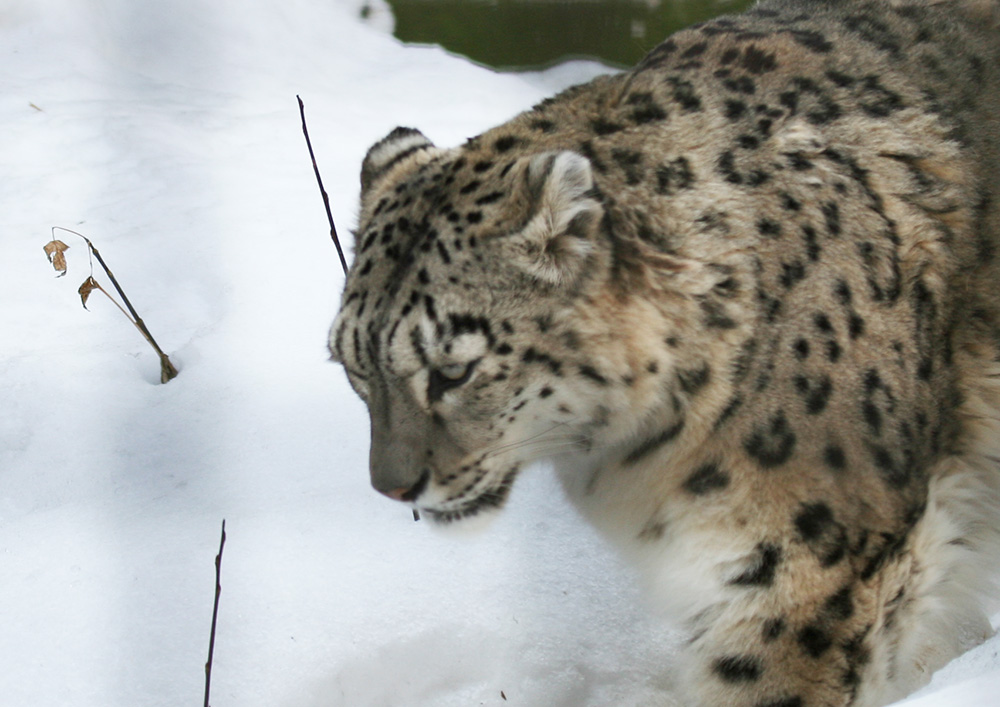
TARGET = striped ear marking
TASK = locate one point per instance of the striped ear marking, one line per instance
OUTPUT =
(388, 152)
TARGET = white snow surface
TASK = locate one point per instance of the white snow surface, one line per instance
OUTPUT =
(167, 131)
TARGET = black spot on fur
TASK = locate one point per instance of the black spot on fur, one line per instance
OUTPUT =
(741, 84)
(732, 406)
(588, 151)
(757, 177)
(855, 326)
(831, 213)
(758, 62)
(646, 111)
(815, 392)
(631, 163)
(834, 457)
(659, 55)
(813, 520)
(768, 228)
(814, 640)
(604, 127)
(825, 537)
(653, 530)
(715, 316)
(763, 568)
(791, 273)
(727, 288)
(727, 168)
(744, 360)
(490, 198)
(874, 32)
(531, 355)
(738, 668)
(813, 249)
(506, 143)
(443, 252)
(694, 50)
(705, 479)
(896, 474)
(650, 445)
(771, 445)
(674, 176)
(773, 628)
(813, 41)
(872, 416)
(799, 162)
(782, 702)
(878, 101)
(827, 112)
(840, 606)
(470, 324)
(843, 292)
(790, 203)
(685, 94)
(734, 109)
(591, 373)
(692, 380)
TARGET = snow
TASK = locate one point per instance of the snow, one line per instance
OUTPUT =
(168, 133)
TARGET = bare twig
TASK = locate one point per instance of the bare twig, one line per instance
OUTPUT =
(167, 370)
(215, 615)
(319, 180)
(326, 204)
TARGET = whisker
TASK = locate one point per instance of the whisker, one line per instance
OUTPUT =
(540, 448)
(505, 447)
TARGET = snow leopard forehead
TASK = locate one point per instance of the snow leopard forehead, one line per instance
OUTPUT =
(447, 237)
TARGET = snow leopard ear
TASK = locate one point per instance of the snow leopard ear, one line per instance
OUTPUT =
(557, 242)
(389, 152)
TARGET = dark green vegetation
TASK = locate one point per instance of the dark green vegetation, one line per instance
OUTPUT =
(521, 34)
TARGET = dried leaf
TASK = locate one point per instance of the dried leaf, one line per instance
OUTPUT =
(88, 286)
(55, 250)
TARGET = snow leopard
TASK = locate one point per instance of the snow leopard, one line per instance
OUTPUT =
(744, 297)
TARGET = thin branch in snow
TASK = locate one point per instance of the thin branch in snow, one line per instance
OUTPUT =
(215, 614)
(319, 180)
(326, 204)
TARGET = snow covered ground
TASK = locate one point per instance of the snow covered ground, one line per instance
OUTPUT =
(167, 131)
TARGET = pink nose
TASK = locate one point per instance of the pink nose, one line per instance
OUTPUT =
(411, 493)
(401, 494)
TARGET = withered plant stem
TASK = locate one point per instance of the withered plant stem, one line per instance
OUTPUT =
(167, 370)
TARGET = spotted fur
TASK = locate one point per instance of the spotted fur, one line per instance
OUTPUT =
(745, 297)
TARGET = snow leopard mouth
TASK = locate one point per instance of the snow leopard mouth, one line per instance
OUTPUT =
(491, 499)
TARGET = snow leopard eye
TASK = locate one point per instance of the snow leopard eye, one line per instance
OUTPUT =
(448, 377)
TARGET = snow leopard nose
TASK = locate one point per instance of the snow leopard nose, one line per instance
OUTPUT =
(411, 493)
